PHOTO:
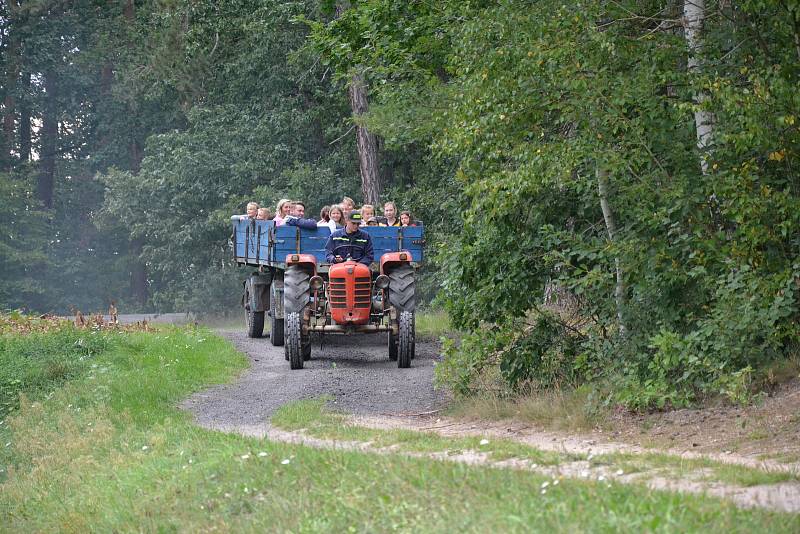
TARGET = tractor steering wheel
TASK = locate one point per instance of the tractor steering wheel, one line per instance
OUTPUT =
(348, 257)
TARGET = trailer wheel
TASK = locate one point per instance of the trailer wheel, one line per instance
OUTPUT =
(392, 347)
(405, 340)
(275, 325)
(294, 346)
(253, 319)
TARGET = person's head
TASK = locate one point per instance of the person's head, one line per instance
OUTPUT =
(283, 208)
(372, 221)
(252, 209)
(298, 209)
(367, 211)
(325, 213)
(347, 205)
(405, 218)
(390, 210)
(337, 215)
(353, 221)
(264, 214)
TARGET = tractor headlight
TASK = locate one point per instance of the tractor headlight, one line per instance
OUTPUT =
(382, 282)
(315, 282)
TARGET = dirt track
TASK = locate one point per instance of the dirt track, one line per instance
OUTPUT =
(354, 370)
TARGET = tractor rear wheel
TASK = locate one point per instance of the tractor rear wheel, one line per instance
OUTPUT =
(405, 339)
(254, 319)
(294, 346)
(275, 325)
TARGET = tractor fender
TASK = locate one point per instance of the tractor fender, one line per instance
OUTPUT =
(256, 287)
(392, 259)
(307, 261)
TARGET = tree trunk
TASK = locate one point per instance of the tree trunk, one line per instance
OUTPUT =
(694, 16)
(620, 290)
(25, 119)
(366, 141)
(49, 142)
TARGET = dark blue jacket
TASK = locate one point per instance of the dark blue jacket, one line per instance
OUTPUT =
(357, 245)
(308, 224)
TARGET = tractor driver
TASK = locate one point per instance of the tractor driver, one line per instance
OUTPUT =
(350, 241)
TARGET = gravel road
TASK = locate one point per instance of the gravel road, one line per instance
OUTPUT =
(354, 370)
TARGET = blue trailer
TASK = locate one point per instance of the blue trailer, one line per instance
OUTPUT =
(304, 295)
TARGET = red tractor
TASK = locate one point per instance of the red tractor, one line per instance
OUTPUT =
(305, 296)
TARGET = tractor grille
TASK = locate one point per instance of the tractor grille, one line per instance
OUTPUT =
(362, 294)
(337, 292)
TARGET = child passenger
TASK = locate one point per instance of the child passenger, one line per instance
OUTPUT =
(325, 218)
(347, 205)
(252, 211)
(337, 216)
(264, 214)
(367, 213)
(405, 219)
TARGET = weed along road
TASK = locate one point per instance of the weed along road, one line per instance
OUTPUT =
(354, 371)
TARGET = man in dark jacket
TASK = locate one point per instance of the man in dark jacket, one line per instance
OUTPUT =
(350, 241)
(297, 217)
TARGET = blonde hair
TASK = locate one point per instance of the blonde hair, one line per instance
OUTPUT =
(348, 200)
(281, 203)
(253, 204)
(267, 214)
(370, 207)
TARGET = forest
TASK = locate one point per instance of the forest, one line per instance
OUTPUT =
(608, 187)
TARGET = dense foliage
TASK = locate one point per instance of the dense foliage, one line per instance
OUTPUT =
(609, 187)
(574, 128)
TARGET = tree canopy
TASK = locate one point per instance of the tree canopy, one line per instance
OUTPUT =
(609, 187)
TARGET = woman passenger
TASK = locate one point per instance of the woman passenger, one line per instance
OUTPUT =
(325, 219)
(337, 217)
(282, 211)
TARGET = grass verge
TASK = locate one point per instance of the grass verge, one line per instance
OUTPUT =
(314, 419)
(109, 451)
(570, 410)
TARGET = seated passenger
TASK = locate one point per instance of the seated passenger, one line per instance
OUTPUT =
(405, 219)
(347, 205)
(297, 218)
(264, 214)
(325, 219)
(373, 221)
(337, 217)
(252, 211)
(282, 211)
(367, 212)
(351, 242)
(390, 214)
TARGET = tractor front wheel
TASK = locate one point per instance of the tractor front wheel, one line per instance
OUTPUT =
(405, 340)
(293, 342)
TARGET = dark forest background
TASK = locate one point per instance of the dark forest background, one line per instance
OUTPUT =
(609, 188)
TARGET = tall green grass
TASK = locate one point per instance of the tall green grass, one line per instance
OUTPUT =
(109, 451)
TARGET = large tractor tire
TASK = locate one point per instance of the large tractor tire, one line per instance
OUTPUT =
(405, 340)
(402, 288)
(294, 345)
(253, 319)
(403, 296)
(275, 324)
(296, 293)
